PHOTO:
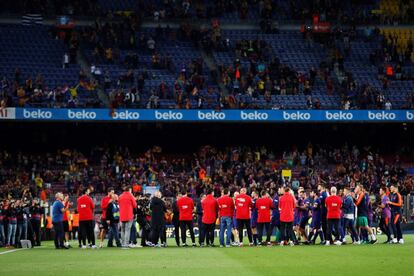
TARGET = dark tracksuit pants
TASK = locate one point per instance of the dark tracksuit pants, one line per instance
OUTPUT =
(241, 224)
(36, 230)
(207, 233)
(286, 231)
(176, 224)
(157, 231)
(331, 224)
(187, 224)
(86, 231)
(59, 234)
(260, 227)
(385, 227)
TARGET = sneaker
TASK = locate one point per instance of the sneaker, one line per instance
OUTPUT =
(394, 240)
(269, 244)
(228, 246)
(240, 244)
(291, 243)
(338, 243)
(328, 243)
(185, 245)
(201, 244)
(194, 245)
(83, 247)
(282, 244)
(373, 241)
(221, 246)
(401, 241)
(131, 245)
(235, 244)
(157, 245)
(356, 243)
(251, 244)
(94, 247)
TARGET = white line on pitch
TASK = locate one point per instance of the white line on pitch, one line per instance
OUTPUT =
(10, 251)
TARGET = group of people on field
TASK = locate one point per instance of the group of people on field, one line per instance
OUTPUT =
(301, 217)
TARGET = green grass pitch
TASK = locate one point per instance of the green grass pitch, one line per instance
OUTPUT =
(378, 259)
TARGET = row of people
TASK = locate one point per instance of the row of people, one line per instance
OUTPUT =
(336, 213)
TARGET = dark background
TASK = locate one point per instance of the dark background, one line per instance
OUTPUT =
(188, 137)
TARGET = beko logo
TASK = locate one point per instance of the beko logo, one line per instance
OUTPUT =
(168, 115)
(212, 115)
(36, 114)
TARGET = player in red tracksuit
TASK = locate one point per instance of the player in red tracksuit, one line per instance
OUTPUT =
(243, 204)
(333, 205)
(264, 205)
(186, 207)
(210, 208)
(127, 205)
(104, 225)
(86, 219)
(287, 204)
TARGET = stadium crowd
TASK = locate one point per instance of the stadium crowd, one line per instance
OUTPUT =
(28, 180)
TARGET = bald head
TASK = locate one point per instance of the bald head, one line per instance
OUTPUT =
(333, 191)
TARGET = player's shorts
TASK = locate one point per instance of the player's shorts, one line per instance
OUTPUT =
(316, 223)
(275, 222)
(303, 222)
(234, 223)
(362, 222)
(103, 225)
(253, 222)
(296, 220)
(65, 226)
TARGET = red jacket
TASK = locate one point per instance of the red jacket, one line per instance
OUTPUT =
(85, 208)
(226, 206)
(287, 206)
(333, 204)
(65, 214)
(210, 207)
(264, 205)
(185, 207)
(104, 204)
(243, 204)
(127, 204)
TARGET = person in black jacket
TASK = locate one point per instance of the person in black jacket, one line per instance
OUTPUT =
(158, 210)
(176, 221)
(36, 212)
(144, 225)
(112, 219)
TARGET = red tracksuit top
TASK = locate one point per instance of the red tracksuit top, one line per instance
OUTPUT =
(85, 208)
(243, 204)
(226, 206)
(287, 206)
(185, 207)
(264, 205)
(127, 204)
(210, 207)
